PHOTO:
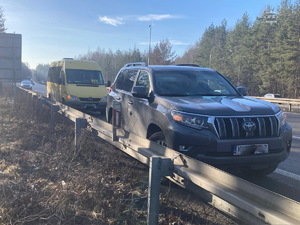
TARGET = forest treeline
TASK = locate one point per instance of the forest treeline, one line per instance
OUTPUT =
(262, 55)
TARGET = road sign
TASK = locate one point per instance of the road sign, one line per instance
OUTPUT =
(10, 56)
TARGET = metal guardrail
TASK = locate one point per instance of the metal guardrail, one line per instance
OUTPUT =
(284, 101)
(246, 201)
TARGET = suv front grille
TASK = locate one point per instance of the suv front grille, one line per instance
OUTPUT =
(89, 99)
(236, 127)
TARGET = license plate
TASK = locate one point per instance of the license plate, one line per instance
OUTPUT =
(251, 149)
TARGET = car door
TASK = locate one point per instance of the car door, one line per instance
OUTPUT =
(117, 93)
(139, 109)
(126, 98)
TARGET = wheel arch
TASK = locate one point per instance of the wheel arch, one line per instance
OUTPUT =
(152, 128)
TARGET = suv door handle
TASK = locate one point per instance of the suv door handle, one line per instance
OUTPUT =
(118, 98)
(130, 102)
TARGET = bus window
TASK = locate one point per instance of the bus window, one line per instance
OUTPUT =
(75, 76)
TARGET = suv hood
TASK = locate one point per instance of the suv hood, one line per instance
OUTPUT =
(220, 105)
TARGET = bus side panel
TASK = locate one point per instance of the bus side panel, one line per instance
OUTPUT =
(53, 83)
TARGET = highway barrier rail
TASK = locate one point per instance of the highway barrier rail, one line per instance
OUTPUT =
(246, 201)
(290, 103)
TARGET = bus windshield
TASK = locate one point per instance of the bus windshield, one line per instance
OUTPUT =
(77, 76)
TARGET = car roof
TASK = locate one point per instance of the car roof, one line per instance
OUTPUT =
(178, 68)
(169, 68)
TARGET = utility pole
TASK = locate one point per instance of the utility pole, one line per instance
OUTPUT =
(150, 29)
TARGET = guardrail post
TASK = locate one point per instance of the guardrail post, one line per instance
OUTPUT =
(80, 123)
(159, 167)
(290, 107)
(39, 105)
(27, 100)
(34, 103)
(53, 111)
(116, 118)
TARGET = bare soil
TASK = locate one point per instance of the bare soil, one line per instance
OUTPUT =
(44, 180)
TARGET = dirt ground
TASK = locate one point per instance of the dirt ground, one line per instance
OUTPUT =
(44, 180)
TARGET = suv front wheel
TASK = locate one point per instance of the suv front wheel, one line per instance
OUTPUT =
(159, 138)
(259, 172)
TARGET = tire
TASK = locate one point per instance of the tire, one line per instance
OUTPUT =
(159, 138)
(110, 116)
(259, 172)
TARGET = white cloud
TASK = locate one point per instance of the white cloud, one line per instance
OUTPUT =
(173, 42)
(111, 21)
(147, 43)
(152, 17)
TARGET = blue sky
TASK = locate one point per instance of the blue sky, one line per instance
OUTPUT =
(55, 29)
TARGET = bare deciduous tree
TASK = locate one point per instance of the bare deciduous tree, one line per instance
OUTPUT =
(162, 53)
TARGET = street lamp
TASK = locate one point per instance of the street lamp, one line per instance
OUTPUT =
(150, 28)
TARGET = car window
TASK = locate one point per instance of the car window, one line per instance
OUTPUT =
(120, 79)
(192, 83)
(143, 80)
(129, 80)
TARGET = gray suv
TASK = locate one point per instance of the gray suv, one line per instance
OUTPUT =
(198, 112)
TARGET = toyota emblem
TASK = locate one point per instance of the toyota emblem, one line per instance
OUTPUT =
(249, 126)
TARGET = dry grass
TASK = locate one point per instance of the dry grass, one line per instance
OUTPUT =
(44, 181)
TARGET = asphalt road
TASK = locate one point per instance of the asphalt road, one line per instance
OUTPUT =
(286, 178)
(39, 88)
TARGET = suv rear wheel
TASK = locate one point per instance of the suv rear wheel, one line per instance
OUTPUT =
(159, 138)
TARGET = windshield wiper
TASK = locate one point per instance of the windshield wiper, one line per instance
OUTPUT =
(221, 95)
(174, 95)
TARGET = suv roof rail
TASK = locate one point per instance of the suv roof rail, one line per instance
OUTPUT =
(187, 64)
(135, 64)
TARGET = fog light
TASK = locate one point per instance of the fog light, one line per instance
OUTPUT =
(184, 148)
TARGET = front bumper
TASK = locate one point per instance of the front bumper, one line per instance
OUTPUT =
(205, 146)
(87, 105)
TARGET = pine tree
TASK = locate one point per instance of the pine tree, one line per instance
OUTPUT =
(286, 51)
(2, 21)
(239, 44)
(263, 38)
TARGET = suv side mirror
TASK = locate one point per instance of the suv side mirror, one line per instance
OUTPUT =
(242, 90)
(108, 83)
(139, 92)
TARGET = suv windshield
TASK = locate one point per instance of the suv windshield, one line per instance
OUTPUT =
(192, 83)
(77, 76)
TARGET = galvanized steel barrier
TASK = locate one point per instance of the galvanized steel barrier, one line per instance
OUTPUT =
(246, 201)
(290, 103)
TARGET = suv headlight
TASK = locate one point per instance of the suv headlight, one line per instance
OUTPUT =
(281, 116)
(72, 98)
(191, 120)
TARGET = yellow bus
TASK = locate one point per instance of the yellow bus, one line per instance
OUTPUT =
(77, 83)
